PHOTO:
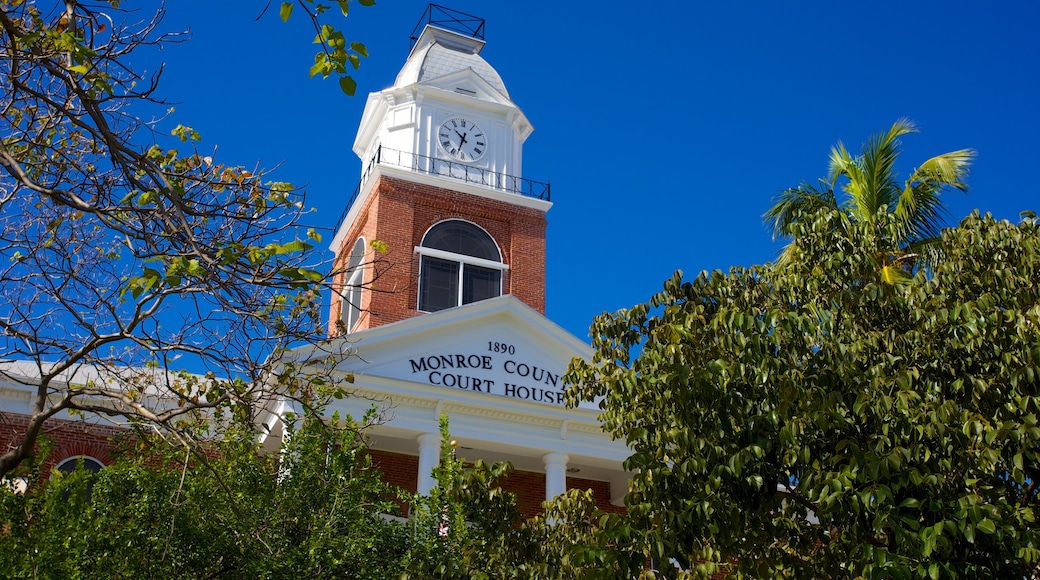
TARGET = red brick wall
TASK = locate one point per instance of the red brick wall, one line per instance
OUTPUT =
(398, 470)
(403, 470)
(76, 438)
(399, 213)
(69, 438)
(600, 491)
(529, 489)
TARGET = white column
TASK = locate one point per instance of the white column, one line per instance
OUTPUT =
(429, 457)
(555, 474)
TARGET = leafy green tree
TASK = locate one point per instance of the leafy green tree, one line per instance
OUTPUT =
(123, 248)
(162, 511)
(811, 421)
(469, 527)
(336, 53)
(871, 187)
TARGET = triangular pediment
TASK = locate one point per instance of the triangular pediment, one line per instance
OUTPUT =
(469, 83)
(494, 348)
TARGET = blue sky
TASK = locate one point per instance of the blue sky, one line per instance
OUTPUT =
(665, 128)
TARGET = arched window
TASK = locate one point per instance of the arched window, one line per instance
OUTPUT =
(89, 463)
(459, 263)
(350, 307)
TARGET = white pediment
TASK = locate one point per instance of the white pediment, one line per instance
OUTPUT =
(469, 83)
(498, 348)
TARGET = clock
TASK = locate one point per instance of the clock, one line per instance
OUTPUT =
(461, 139)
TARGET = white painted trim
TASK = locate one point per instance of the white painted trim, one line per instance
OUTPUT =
(434, 253)
(441, 182)
(459, 185)
(76, 458)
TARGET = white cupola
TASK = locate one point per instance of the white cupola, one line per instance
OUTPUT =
(441, 188)
(447, 105)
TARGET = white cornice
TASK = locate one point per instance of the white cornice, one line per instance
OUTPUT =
(442, 182)
(412, 408)
(461, 186)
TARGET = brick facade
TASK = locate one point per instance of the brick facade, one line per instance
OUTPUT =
(400, 212)
(402, 471)
(68, 438)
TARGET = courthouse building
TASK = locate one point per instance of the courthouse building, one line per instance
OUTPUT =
(453, 321)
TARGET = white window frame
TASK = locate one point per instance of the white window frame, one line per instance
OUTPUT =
(73, 460)
(351, 292)
(461, 259)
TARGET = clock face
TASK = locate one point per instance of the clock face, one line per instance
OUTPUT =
(461, 139)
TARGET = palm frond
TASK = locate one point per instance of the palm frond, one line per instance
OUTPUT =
(951, 169)
(841, 163)
(894, 274)
(796, 203)
(904, 220)
(844, 165)
(926, 252)
(920, 210)
(877, 185)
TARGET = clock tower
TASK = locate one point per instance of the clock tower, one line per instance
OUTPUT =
(441, 189)
(439, 304)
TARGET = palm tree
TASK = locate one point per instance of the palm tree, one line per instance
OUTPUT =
(871, 189)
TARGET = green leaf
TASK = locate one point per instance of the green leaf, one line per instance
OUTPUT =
(301, 274)
(285, 11)
(367, 2)
(359, 48)
(986, 526)
(348, 85)
(79, 68)
(344, 6)
(294, 246)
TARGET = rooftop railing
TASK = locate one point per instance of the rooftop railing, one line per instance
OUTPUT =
(453, 20)
(450, 170)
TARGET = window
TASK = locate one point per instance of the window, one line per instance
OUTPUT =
(90, 465)
(350, 307)
(459, 263)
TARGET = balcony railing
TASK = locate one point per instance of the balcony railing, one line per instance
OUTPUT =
(450, 170)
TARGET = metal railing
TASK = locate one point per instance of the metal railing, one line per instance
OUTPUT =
(448, 169)
(453, 20)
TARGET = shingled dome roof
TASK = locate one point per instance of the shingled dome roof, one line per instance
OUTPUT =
(441, 52)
